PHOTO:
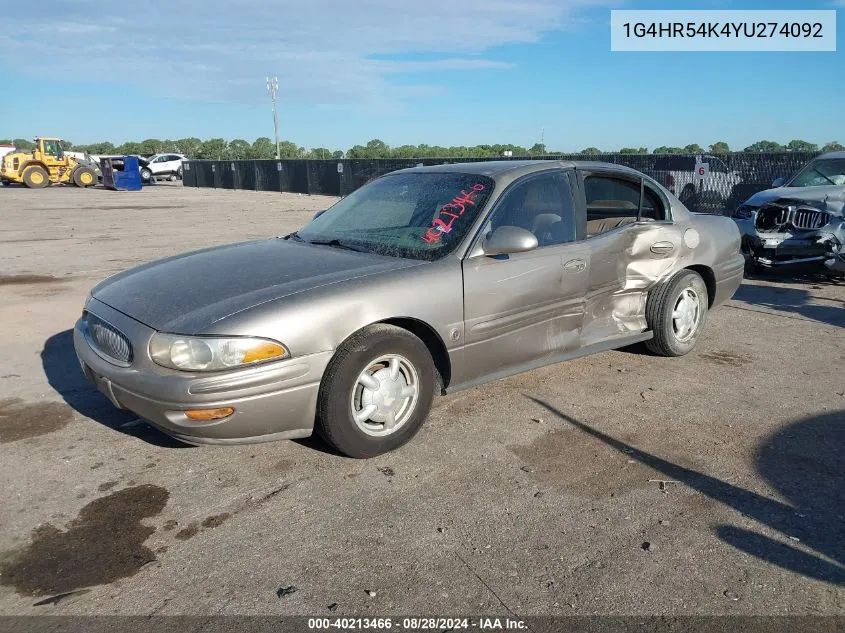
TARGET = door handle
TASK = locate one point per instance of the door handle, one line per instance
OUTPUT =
(662, 248)
(575, 265)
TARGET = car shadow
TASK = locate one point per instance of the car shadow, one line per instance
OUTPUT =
(61, 366)
(805, 463)
(800, 301)
(316, 443)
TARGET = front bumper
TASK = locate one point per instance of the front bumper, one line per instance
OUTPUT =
(273, 401)
(800, 249)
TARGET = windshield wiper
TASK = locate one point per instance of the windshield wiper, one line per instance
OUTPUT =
(335, 243)
(294, 236)
(823, 176)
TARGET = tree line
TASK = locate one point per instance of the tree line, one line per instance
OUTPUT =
(264, 148)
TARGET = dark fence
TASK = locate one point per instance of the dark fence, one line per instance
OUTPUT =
(705, 183)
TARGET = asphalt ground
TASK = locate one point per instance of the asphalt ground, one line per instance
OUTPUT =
(620, 483)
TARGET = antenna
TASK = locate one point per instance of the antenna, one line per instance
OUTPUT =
(273, 89)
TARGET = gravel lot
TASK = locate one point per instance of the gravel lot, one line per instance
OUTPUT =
(620, 483)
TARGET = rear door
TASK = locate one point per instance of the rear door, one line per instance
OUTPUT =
(173, 163)
(521, 307)
(630, 247)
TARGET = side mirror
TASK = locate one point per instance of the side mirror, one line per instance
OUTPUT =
(778, 183)
(509, 239)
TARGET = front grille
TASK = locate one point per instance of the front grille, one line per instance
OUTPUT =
(108, 341)
(810, 219)
(782, 217)
(771, 217)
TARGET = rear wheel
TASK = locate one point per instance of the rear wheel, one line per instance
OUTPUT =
(676, 312)
(84, 177)
(376, 391)
(36, 177)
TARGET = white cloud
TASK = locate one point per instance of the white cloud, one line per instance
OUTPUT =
(324, 51)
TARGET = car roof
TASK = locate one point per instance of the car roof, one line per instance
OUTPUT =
(512, 169)
(832, 155)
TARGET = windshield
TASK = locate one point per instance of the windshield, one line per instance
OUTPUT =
(414, 215)
(827, 171)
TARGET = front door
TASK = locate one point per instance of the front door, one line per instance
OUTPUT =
(523, 307)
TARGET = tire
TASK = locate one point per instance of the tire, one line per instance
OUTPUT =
(377, 350)
(84, 177)
(179, 173)
(36, 177)
(752, 269)
(171, 178)
(146, 175)
(677, 336)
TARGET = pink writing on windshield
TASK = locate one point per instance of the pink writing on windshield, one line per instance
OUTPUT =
(450, 212)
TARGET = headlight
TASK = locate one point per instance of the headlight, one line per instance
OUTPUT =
(744, 211)
(190, 353)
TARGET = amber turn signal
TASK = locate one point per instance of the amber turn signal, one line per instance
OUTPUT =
(206, 415)
(264, 350)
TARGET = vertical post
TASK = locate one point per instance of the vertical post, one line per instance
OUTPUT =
(273, 89)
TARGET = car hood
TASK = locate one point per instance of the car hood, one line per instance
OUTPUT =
(809, 194)
(187, 293)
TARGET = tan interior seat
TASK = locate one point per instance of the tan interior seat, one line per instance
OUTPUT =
(536, 208)
(595, 227)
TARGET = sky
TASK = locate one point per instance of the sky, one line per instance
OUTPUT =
(442, 72)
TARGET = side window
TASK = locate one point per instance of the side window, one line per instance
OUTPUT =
(615, 202)
(716, 165)
(653, 208)
(542, 205)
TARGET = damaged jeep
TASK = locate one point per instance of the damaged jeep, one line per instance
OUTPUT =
(800, 224)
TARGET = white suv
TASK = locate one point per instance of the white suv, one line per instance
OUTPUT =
(677, 174)
(161, 165)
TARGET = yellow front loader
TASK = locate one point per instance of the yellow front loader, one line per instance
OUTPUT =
(46, 164)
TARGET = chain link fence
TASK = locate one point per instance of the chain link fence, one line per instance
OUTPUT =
(729, 179)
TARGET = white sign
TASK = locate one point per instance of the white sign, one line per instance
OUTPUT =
(702, 171)
(340, 168)
(723, 30)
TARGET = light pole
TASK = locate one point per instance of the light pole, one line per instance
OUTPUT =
(273, 89)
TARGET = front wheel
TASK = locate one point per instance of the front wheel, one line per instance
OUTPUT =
(376, 392)
(146, 175)
(676, 312)
(84, 177)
